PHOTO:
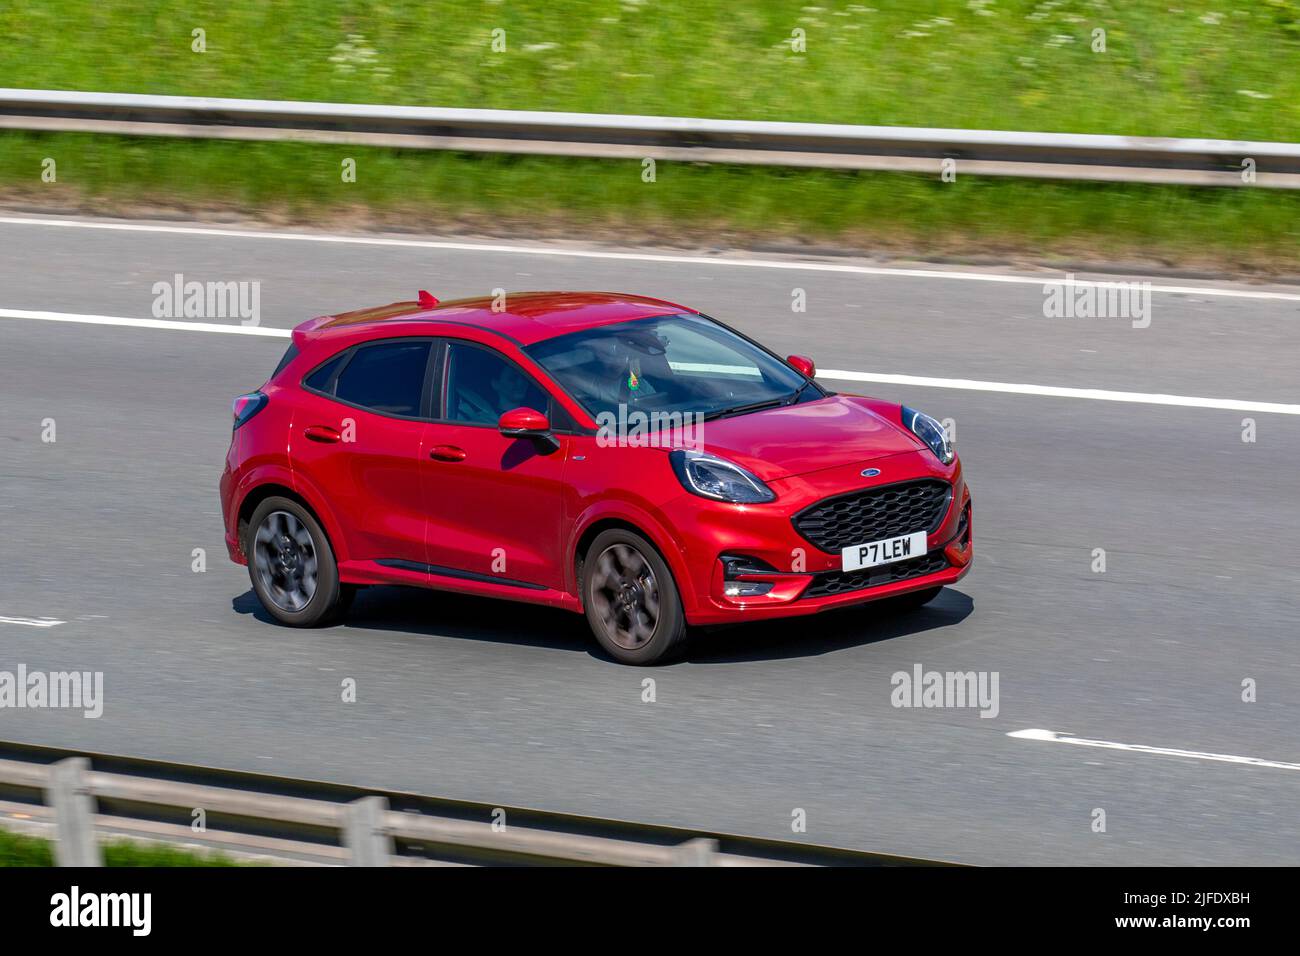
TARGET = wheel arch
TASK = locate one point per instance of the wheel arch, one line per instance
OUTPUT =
(641, 525)
(272, 489)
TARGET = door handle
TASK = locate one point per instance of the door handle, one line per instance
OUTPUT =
(322, 433)
(447, 453)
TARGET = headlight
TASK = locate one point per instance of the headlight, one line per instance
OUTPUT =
(717, 478)
(931, 432)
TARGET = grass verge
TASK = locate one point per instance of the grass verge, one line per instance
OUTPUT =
(1194, 69)
(17, 849)
(1239, 229)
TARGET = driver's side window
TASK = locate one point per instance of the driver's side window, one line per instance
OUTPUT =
(482, 386)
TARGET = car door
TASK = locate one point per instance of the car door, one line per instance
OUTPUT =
(359, 438)
(494, 502)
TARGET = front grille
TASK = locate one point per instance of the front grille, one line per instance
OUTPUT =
(838, 582)
(885, 512)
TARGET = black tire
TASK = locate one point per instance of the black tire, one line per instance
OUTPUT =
(631, 600)
(913, 601)
(292, 566)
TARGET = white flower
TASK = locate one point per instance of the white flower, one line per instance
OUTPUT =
(352, 53)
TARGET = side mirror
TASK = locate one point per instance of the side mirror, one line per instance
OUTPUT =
(804, 365)
(528, 423)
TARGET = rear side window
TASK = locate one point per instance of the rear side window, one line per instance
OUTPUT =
(387, 378)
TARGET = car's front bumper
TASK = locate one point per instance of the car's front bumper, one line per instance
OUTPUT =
(804, 578)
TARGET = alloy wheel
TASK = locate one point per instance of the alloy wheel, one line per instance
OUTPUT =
(284, 556)
(626, 596)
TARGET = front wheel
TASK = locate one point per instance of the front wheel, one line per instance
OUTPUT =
(631, 599)
(292, 565)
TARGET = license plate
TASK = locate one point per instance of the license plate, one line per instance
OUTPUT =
(886, 551)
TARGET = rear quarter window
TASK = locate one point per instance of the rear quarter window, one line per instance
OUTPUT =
(290, 354)
(322, 380)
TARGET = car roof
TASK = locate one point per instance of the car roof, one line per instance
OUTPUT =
(523, 317)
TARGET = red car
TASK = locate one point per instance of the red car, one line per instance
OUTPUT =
(613, 455)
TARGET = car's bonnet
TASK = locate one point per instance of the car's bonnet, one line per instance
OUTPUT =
(798, 439)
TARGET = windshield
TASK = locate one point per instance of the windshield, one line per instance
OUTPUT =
(672, 363)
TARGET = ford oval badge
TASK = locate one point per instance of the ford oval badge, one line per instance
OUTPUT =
(870, 472)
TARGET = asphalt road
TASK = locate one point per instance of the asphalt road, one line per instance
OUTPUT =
(488, 701)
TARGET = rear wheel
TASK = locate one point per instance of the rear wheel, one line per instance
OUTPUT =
(292, 565)
(631, 599)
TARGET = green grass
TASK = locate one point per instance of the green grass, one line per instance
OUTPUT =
(1191, 69)
(125, 853)
(1250, 230)
(20, 850)
(1169, 69)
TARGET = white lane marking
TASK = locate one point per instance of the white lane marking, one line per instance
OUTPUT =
(507, 249)
(1011, 388)
(143, 323)
(1095, 394)
(1052, 736)
(32, 621)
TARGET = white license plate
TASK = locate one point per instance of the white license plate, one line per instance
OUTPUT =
(887, 551)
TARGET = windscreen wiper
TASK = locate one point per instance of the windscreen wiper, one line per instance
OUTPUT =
(797, 392)
(759, 406)
(742, 409)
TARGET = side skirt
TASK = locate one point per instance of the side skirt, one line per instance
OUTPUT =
(414, 573)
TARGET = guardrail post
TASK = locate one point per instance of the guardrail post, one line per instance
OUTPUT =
(699, 852)
(364, 834)
(74, 814)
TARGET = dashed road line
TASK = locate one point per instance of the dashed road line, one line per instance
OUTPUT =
(1052, 736)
